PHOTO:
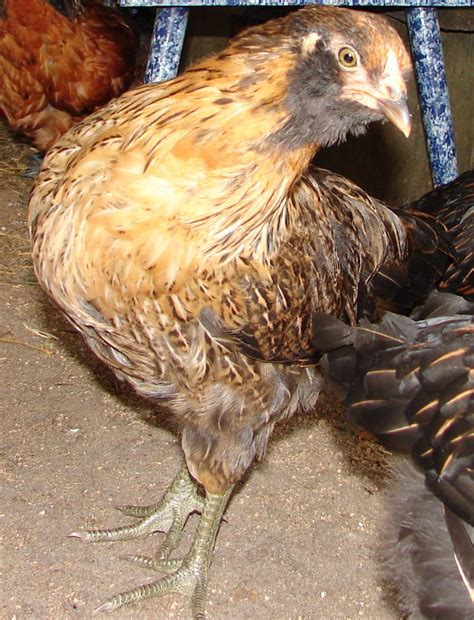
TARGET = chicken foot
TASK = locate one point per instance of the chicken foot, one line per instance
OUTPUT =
(187, 575)
(167, 515)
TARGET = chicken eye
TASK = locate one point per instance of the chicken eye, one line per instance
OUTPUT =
(347, 57)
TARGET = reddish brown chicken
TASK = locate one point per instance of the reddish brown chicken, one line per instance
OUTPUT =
(59, 61)
(182, 232)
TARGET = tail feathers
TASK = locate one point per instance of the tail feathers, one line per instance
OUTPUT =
(411, 384)
(386, 420)
(360, 360)
(457, 494)
(428, 551)
(353, 351)
(440, 304)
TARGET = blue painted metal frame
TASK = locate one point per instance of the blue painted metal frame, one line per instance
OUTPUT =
(250, 3)
(423, 28)
(427, 52)
(166, 44)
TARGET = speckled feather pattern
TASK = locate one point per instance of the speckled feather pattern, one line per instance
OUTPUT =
(180, 230)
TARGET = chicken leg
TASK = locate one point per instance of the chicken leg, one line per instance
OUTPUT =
(187, 575)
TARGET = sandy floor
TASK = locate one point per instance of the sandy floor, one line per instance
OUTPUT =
(301, 535)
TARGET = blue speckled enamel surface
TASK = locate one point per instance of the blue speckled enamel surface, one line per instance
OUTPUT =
(166, 44)
(170, 26)
(402, 3)
(427, 53)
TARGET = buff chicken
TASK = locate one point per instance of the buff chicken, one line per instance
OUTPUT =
(183, 232)
(410, 381)
(59, 61)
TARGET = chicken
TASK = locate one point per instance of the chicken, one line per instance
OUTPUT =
(428, 551)
(410, 381)
(182, 232)
(59, 61)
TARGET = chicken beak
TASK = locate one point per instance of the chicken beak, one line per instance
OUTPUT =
(397, 112)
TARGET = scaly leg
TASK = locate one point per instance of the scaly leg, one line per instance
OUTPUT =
(188, 575)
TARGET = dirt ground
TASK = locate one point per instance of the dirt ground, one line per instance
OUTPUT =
(301, 536)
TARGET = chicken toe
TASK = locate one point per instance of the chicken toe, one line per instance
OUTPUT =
(168, 515)
(189, 575)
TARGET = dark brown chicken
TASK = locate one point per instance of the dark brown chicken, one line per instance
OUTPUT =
(428, 551)
(410, 381)
(59, 61)
(181, 232)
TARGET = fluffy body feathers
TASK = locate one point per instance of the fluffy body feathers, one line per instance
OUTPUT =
(428, 551)
(57, 67)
